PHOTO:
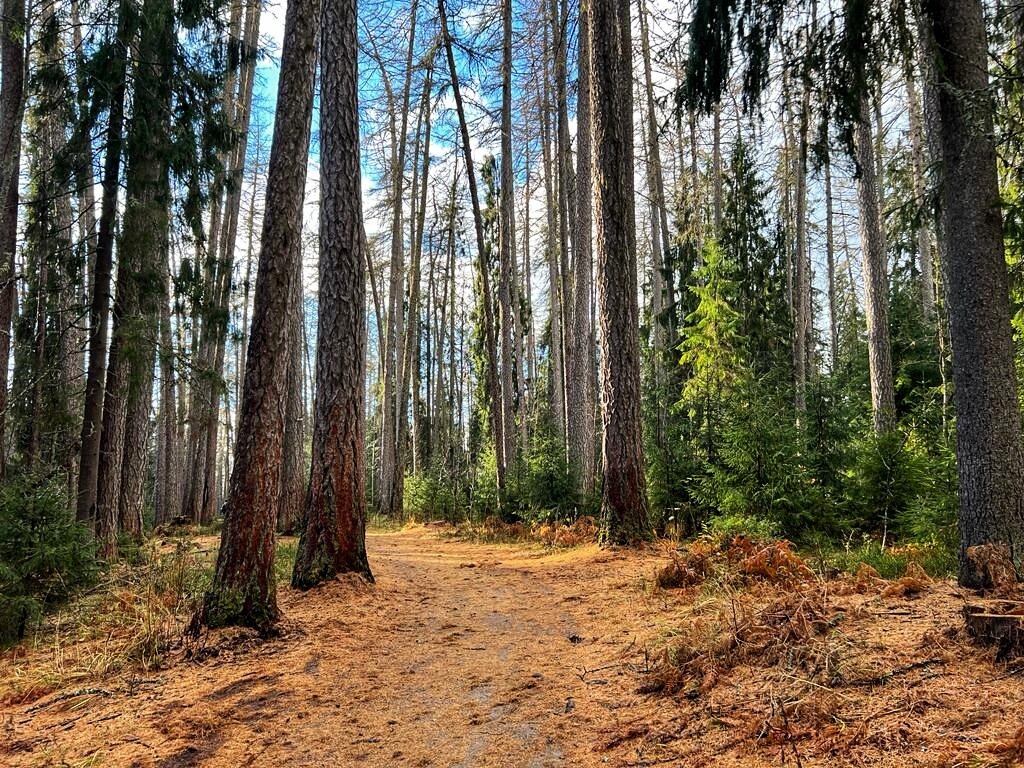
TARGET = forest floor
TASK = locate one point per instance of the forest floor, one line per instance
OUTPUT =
(473, 654)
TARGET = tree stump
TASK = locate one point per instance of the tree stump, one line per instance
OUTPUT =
(999, 623)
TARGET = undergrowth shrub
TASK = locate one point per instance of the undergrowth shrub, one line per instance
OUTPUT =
(284, 560)
(937, 559)
(429, 497)
(761, 481)
(541, 486)
(726, 526)
(45, 555)
(129, 622)
(890, 473)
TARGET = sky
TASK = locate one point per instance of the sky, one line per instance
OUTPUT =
(392, 14)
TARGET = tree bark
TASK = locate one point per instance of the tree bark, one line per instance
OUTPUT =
(293, 470)
(924, 240)
(959, 115)
(579, 382)
(168, 490)
(801, 266)
(99, 309)
(624, 515)
(830, 259)
(243, 589)
(333, 539)
(556, 331)
(564, 196)
(507, 241)
(876, 282)
(13, 42)
(145, 232)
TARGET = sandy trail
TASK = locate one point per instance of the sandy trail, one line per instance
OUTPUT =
(468, 656)
(460, 655)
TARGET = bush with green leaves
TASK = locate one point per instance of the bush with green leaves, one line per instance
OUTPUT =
(541, 487)
(762, 471)
(45, 555)
(429, 497)
(892, 474)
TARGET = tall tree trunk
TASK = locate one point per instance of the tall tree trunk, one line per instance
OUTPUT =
(507, 241)
(917, 154)
(13, 45)
(716, 166)
(247, 279)
(565, 196)
(145, 230)
(140, 273)
(659, 235)
(581, 361)
(959, 117)
(801, 270)
(243, 589)
(47, 331)
(392, 471)
(293, 469)
(522, 306)
(556, 331)
(876, 282)
(830, 259)
(624, 516)
(99, 308)
(490, 341)
(333, 539)
(410, 378)
(168, 491)
(788, 164)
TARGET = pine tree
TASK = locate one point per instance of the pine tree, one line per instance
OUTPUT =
(989, 452)
(333, 539)
(244, 590)
(624, 516)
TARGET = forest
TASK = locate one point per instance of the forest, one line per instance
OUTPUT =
(511, 383)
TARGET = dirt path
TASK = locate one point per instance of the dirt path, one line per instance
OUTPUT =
(461, 655)
(468, 656)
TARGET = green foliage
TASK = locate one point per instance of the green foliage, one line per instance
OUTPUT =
(541, 487)
(891, 474)
(711, 341)
(938, 560)
(733, 455)
(429, 497)
(761, 472)
(284, 559)
(756, 253)
(724, 526)
(45, 556)
(483, 493)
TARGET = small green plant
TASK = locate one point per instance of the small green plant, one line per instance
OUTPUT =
(284, 560)
(45, 556)
(937, 559)
(428, 497)
(761, 475)
(896, 487)
(541, 486)
(725, 526)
